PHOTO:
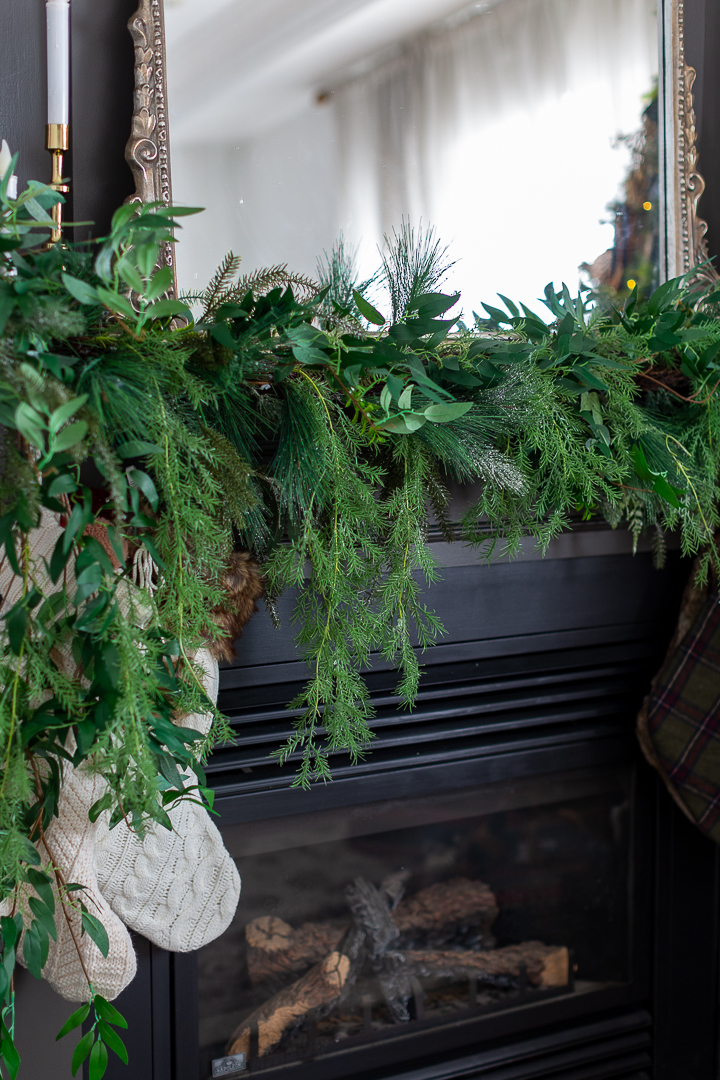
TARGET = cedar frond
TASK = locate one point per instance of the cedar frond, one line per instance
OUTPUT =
(439, 497)
(223, 290)
(659, 548)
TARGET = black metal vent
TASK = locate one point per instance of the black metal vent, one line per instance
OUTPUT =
(465, 709)
(618, 1049)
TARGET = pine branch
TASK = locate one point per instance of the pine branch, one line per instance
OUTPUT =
(413, 264)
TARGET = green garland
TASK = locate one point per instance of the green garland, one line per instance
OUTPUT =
(297, 421)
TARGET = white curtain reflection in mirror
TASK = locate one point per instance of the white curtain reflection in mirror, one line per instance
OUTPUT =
(498, 127)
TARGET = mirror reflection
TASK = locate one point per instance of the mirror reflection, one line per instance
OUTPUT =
(523, 132)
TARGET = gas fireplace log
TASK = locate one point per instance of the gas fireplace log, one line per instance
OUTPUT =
(275, 949)
(546, 965)
(322, 985)
(445, 905)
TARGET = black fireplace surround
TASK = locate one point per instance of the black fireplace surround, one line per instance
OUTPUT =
(517, 779)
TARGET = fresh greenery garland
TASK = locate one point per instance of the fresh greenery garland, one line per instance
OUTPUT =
(299, 422)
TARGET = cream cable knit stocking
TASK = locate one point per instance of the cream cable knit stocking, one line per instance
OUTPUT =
(180, 889)
(71, 840)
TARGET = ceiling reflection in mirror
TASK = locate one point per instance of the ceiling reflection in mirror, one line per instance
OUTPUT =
(523, 132)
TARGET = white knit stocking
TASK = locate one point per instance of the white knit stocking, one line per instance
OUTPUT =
(70, 839)
(75, 958)
(180, 889)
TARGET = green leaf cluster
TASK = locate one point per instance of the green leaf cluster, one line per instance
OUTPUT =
(99, 1037)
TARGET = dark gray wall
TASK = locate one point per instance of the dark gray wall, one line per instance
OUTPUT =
(23, 85)
(40, 1013)
(102, 82)
(102, 73)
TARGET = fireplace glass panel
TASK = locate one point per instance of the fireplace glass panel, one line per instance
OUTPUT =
(360, 924)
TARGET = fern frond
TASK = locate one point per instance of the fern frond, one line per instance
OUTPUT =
(220, 284)
(261, 282)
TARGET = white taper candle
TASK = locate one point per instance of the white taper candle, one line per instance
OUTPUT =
(5, 159)
(58, 61)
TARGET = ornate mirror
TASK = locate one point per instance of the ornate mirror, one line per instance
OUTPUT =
(538, 139)
(684, 232)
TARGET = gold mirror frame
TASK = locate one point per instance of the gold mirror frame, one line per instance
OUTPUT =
(148, 151)
(682, 233)
(683, 243)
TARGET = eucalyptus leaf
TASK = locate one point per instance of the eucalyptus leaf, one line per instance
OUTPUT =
(145, 484)
(97, 1064)
(70, 436)
(367, 310)
(30, 424)
(32, 951)
(92, 926)
(444, 413)
(82, 1050)
(161, 281)
(74, 1020)
(80, 290)
(113, 1041)
(10, 1055)
(109, 1013)
(404, 425)
(116, 303)
(131, 276)
(63, 413)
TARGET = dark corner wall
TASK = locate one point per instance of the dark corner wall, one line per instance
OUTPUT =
(702, 49)
(102, 85)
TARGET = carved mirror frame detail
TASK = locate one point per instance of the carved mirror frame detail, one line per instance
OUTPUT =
(147, 151)
(683, 231)
(686, 231)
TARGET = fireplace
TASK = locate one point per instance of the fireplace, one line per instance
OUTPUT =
(501, 889)
(411, 917)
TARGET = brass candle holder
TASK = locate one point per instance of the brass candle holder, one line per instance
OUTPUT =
(57, 141)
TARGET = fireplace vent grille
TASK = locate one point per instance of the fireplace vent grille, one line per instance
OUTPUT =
(488, 705)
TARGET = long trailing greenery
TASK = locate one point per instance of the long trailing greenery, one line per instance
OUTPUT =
(301, 422)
